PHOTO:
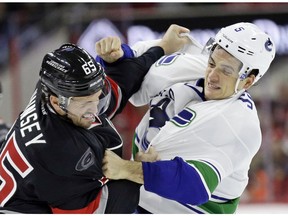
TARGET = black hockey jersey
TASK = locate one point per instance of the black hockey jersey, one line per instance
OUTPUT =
(47, 163)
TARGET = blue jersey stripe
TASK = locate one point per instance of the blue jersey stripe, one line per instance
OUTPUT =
(193, 209)
(220, 198)
(218, 173)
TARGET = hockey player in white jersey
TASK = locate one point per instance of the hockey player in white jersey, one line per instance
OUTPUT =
(203, 124)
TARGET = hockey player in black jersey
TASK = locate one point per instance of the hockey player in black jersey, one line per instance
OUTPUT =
(51, 161)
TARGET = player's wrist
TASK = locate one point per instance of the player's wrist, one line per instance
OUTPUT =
(133, 171)
(165, 46)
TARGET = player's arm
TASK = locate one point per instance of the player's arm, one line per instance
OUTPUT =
(129, 73)
(190, 182)
(111, 50)
(106, 45)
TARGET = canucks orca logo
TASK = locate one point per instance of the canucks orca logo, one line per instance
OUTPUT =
(268, 45)
(184, 118)
(167, 60)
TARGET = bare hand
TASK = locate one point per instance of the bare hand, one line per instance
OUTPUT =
(172, 40)
(109, 49)
(114, 167)
(149, 156)
(111, 165)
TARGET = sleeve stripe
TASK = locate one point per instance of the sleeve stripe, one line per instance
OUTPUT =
(208, 173)
(219, 199)
(89, 209)
(195, 209)
(112, 126)
(118, 95)
(214, 168)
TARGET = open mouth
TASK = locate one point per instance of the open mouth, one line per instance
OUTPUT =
(212, 86)
(89, 117)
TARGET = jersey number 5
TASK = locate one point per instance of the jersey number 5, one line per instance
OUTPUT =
(16, 159)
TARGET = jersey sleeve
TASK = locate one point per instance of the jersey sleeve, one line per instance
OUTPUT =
(194, 47)
(190, 183)
(142, 46)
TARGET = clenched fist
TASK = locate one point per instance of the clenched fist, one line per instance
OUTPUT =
(109, 49)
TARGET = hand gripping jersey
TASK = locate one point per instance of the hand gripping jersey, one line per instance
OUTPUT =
(49, 165)
(205, 147)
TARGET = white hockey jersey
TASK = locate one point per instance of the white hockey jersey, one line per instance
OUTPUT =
(224, 134)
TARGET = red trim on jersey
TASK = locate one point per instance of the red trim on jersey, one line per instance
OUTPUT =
(89, 209)
(117, 92)
(115, 88)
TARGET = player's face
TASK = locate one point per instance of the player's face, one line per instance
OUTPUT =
(221, 75)
(82, 110)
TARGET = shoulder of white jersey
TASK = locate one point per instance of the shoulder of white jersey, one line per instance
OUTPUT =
(247, 103)
(194, 47)
(142, 46)
(166, 72)
(245, 121)
(182, 67)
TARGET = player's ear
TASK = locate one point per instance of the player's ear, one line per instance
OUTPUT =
(249, 81)
(54, 101)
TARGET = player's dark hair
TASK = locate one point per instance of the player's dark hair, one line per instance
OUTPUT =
(46, 93)
(254, 72)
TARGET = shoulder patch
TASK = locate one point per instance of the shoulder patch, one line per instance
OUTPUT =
(167, 60)
(87, 160)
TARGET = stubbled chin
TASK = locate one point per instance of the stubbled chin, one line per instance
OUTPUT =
(83, 123)
(210, 94)
(87, 124)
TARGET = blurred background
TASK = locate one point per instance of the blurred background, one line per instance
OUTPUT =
(29, 30)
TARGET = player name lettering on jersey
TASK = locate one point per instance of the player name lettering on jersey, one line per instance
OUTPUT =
(29, 123)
